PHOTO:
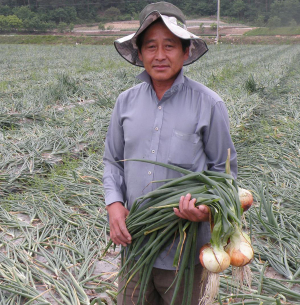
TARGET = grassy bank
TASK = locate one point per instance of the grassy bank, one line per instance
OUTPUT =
(108, 40)
(285, 31)
(55, 39)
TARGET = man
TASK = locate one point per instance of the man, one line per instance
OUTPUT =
(167, 118)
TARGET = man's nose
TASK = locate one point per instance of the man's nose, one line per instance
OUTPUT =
(160, 54)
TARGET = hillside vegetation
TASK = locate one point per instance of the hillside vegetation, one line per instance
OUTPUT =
(42, 15)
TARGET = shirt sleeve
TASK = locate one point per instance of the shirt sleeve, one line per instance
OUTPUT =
(113, 177)
(217, 140)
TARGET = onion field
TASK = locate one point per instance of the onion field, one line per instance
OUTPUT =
(56, 103)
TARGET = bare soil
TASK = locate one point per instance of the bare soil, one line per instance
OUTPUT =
(233, 34)
(193, 26)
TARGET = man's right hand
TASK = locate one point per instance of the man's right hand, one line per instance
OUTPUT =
(118, 231)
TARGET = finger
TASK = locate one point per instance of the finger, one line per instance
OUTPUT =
(185, 202)
(194, 214)
(120, 235)
(126, 235)
(178, 213)
(115, 239)
(204, 209)
(119, 240)
(191, 204)
(181, 202)
(203, 213)
(183, 205)
(188, 206)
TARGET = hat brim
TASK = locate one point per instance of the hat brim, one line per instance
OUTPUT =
(127, 48)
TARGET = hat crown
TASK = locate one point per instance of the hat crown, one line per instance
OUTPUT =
(164, 8)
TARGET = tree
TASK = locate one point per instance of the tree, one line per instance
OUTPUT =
(35, 24)
(113, 13)
(71, 14)
(62, 26)
(10, 23)
(260, 20)
(238, 8)
(5, 10)
(2, 23)
(14, 22)
(286, 11)
(23, 12)
(274, 22)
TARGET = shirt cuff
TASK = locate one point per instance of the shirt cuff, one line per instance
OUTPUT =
(109, 199)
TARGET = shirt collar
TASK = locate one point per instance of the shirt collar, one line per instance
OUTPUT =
(145, 77)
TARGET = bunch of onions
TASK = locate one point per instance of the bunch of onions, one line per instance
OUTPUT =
(228, 244)
(153, 226)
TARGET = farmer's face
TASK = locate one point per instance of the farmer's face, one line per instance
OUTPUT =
(162, 54)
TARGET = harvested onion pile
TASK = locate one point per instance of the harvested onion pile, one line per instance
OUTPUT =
(152, 215)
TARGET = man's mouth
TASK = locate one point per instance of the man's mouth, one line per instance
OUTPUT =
(160, 67)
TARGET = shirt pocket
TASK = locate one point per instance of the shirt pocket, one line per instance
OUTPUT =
(183, 149)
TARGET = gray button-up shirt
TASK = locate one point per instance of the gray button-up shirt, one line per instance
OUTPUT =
(188, 127)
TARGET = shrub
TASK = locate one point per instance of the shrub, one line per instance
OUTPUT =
(23, 12)
(201, 27)
(102, 19)
(62, 26)
(5, 10)
(213, 26)
(113, 13)
(293, 23)
(35, 24)
(274, 22)
(10, 23)
(101, 26)
(260, 20)
(2, 23)
(250, 84)
(71, 27)
(125, 17)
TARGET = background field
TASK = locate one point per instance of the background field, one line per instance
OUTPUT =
(56, 103)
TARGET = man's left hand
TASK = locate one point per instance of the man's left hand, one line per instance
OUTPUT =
(188, 210)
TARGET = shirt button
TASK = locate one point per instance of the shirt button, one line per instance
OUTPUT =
(153, 151)
(159, 107)
(149, 173)
(156, 128)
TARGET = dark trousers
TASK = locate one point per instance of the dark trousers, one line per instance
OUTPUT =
(157, 291)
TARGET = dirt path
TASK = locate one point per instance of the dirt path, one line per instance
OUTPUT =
(193, 25)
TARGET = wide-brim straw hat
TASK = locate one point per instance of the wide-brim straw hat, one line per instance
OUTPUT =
(174, 20)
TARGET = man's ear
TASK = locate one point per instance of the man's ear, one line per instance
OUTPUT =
(140, 55)
(186, 53)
